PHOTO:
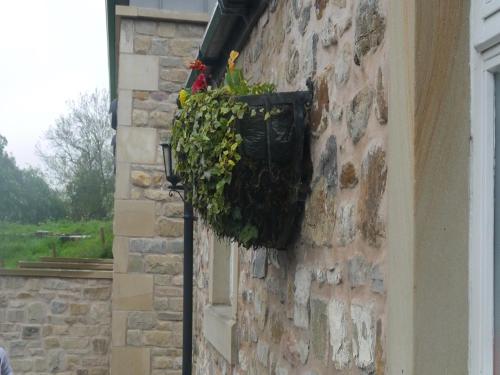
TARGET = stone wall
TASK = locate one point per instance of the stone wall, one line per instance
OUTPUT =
(56, 326)
(148, 227)
(320, 306)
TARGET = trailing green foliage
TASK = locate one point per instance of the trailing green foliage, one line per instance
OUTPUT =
(18, 242)
(235, 156)
(207, 147)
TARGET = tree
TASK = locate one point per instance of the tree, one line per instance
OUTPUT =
(24, 195)
(80, 158)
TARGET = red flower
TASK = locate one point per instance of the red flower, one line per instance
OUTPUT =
(199, 84)
(198, 65)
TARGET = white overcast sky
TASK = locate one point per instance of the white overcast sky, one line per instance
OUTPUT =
(50, 51)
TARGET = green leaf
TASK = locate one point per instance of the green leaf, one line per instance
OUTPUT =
(248, 233)
(206, 145)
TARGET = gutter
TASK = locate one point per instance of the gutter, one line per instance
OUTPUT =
(229, 28)
(112, 50)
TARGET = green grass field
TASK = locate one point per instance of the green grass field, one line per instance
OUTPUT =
(18, 241)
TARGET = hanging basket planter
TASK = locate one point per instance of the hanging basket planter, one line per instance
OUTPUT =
(242, 158)
(268, 184)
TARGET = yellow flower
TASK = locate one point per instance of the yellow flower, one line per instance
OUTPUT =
(232, 58)
(183, 95)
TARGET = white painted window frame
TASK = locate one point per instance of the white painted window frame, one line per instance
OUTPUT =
(219, 316)
(485, 61)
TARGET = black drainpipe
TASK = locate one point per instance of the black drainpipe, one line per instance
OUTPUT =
(187, 311)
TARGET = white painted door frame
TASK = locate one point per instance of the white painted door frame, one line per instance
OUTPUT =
(485, 61)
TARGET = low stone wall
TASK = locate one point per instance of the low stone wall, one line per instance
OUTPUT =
(56, 325)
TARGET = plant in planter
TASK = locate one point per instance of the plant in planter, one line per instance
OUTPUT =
(239, 149)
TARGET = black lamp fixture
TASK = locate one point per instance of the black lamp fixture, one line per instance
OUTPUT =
(169, 163)
(187, 311)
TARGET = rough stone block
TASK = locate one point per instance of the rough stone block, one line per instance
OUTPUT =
(148, 245)
(133, 292)
(159, 46)
(36, 312)
(369, 28)
(338, 334)
(170, 316)
(97, 293)
(259, 265)
(51, 343)
(56, 361)
(134, 218)
(303, 279)
(140, 117)
(334, 274)
(172, 62)
(163, 264)
(358, 269)
(377, 277)
(74, 343)
(140, 179)
(174, 75)
(100, 346)
(22, 365)
(161, 119)
(170, 87)
(319, 328)
(358, 114)
(328, 164)
(263, 353)
(135, 263)
(348, 177)
(183, 47)
(372, 187)
(138, 72)
(381, 109)
(145, 27)
(170, 227)
(141, 320)
(31, 333)
(15, 315)
(134, 337)
(363, 341)
(142, 44)
(189, 31)
(295, 349)
(166, 29)
(343, 66)
(162, 339)
(58, 307)
(310, 60)
(79, 309)
(321, 107)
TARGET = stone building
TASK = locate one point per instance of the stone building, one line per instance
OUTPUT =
(153, 47)
(392, 271)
